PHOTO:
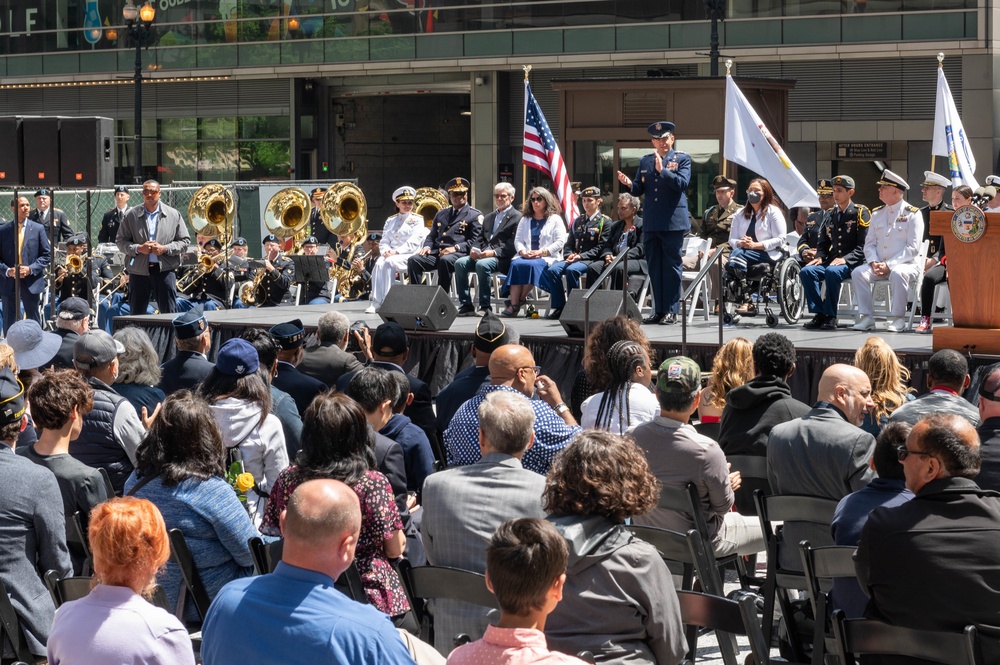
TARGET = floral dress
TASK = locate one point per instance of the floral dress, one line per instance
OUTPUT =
(379, 519)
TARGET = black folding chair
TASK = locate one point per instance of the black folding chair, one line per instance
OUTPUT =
(66, 589)
(822, 565)
(786, 508)
(10, 628)
(192, 586)
(107, 481)
(856, 637)
(267, 555)
(736, 617)
(749, 466)
(425, 583)
(76, 535)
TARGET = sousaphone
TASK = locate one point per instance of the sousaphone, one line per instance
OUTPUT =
(287, 212)
(344, 210)
(212, 212)
(428, 202)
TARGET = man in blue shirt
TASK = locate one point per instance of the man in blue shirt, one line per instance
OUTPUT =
(295, 615)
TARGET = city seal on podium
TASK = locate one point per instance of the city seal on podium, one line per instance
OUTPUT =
(968, 224)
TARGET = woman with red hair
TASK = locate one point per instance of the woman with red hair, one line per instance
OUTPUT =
(115, 623)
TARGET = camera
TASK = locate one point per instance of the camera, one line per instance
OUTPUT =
(353, 346)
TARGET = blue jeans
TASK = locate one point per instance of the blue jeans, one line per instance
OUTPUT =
(813, 277)
(552, 280)
(484, 271)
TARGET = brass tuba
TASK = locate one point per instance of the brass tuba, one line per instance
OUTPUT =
(344, 210)
(287, 212)
(428, 202)
(212, 212)
(252, 292)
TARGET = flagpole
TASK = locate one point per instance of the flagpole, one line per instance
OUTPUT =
(722, 155)
(524, 168)
(940, 59)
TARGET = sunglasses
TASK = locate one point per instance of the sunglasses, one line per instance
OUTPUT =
(535, 199)
(903, 452)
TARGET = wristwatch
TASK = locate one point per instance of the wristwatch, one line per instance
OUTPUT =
(561, 408)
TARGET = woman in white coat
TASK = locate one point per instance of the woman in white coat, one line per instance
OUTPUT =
(539, 241)
(402, 236)
(758, 230)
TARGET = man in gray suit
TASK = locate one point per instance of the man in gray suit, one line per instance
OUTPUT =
(463, 506)
(329, 361)
(32, 524)
(153, 237)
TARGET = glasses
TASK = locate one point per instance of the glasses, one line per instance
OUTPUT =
(536, 199)
(150, 191)
(535, 368)
(501, 196)
(903, 452)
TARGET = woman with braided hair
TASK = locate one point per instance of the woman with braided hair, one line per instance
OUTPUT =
(627, 401)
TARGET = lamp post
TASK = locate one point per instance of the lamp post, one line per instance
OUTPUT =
(137, 23)
(716, 10)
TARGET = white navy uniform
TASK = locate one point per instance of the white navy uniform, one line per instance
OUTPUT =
(405, 235)
(894, 237)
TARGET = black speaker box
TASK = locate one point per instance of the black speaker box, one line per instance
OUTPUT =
(87, 149)
(41, 151)
(12, 155)
(418, 307)
(604, 304)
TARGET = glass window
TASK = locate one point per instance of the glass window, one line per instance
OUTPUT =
(704, 167)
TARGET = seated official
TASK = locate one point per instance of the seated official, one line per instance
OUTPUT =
(625, 236)
(452, 233)
(758, 231)
(490, 253)
(402, 236)
(211, 287)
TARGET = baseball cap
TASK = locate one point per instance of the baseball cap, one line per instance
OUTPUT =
(95, 348)
(389, 339)
(678, 375)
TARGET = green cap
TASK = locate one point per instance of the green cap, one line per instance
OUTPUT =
(678, 375)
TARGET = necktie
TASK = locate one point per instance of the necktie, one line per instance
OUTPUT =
(752, 229)
(20, 243)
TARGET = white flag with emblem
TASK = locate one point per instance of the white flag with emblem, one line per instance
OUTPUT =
(749, 143)
(950, 139)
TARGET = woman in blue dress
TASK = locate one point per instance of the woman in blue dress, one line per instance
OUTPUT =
(539, 241)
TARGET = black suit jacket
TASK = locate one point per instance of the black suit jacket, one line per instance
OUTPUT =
(302, 388)
(64, 356)
(109, 225)
(501, 238)
(327, 363)
(58, 219)
(390, 463)
(419, 411)
(186, 370)
(636, 256)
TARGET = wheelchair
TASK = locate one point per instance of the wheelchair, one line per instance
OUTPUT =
(762, 287)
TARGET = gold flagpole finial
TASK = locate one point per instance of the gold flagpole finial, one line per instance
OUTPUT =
(940, 57)
(527, 70)
(729, 66)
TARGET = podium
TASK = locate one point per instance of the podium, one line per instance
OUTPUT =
(975, 293)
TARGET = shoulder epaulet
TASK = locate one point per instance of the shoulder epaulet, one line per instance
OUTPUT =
(877, 208)
(912, 208)
(58, 210)
(864, 215)
(476, 211)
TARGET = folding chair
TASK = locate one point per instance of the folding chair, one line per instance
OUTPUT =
(856, 637)
(76, 534)
(10, 628)
(822, 565)
(192, 585)
(107, 481)
(736, 617)
(267, 555)
(693, 245)
(425, 583)
(66, 589)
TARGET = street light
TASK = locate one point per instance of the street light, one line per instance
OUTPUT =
(137, 23)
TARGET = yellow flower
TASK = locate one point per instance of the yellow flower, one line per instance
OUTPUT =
(244, 481)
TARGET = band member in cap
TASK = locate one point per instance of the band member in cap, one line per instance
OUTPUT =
(82, 283)
(452, 233)
(34, 254)
(153, 238)
(932, 190)
(841, 250)
(187, 369)
(403, 234)
(663, 178)
(583, 245)
(316, 293)
(716, 224)
(891, 249)
(291, 337)
(362, 266)
(279, 272)
(211, 288)
(113, 218)
(809, 239)
(316, 226)
(490, 253)
(45, 215)
(239, 264)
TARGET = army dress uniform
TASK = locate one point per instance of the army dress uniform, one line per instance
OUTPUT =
(894, 237)
(452, 227)
(812, 234)
(586, 239)
(316, 227)
(211, 290)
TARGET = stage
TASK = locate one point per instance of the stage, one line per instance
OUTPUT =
(436, 356)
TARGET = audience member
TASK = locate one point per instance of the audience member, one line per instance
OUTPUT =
(329, 361)
(627, 401)
(595, 375)
(241, 404)
(888, 489)
(303, 389)
(526, 571)
(678, 455)
(181, 468)
(60, 400)
(947, 379)
(732, 367)
(888, 378)
(138, 370)
(282, 404)
(33, 347)
(251, 619)
(989, 429)
(824, 453)
(32, 523)
(463, 506)
(72, 320)
(336, 443)
(513, 370)
(112, 430)
(417, 453)
(27, 435)
(945, 573)
(115, 622)
(753, 409)
(189, 367)
(619, 601)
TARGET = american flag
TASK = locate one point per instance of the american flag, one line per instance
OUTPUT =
(541, 152)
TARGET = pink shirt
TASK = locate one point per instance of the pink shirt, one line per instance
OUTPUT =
(510, 646)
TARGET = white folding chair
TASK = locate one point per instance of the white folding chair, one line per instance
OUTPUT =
(693, 245)
(942, 298)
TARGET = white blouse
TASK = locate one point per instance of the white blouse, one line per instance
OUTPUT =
(552, 237)
(770, 230)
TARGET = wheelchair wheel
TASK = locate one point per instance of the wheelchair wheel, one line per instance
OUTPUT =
(772, 320)
(789, 287)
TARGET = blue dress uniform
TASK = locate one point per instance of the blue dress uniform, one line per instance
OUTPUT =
(586, 239)
(452, 227)
(841, 237)
(665, 222)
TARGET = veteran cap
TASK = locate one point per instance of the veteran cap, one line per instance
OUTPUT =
(289, 335)
(659, 130)
(932, 179)
(491, 334)
(11, 397)
(678, 375)
(892, 180)
(457, 185)
(73, 309)
(389, 340)
(845, 181)
(591, 192)
(824, 187)
(237, 357)
(404, 193)
(96, 348)
(190, 324)
(722, 182)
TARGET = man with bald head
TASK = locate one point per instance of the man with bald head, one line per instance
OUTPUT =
(513, 370)
(824, 453)
(933, 563)
(295, 615)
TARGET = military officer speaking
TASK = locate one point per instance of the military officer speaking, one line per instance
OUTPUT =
(841, 249)
(891, 249)
(452, 233)
(663, 177)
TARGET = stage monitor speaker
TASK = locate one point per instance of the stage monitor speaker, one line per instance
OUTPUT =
(12, 155)
(87, 151)
(41, 151)
(418, 307)
(604, 305)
